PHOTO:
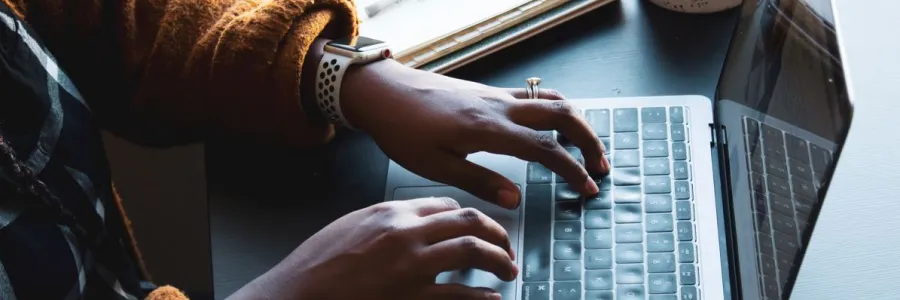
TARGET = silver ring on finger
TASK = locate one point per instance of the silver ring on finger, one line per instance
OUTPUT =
(532, 87)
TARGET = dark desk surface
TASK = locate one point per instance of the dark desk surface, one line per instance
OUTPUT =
(265, 202)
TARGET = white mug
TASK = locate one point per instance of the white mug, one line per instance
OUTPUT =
(697, 6)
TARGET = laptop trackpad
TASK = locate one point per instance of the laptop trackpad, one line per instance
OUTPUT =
(509, 219)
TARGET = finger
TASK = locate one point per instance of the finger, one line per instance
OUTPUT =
(567, 120)
(432, 205)
(453, 291)
(549, 94)
(454, 170)
(465, 222)
(468, 252)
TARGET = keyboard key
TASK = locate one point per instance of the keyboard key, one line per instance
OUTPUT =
(757, 182)
(605, 184)
(629, 254)
(626, 176)
(800, 169)
(787, 243)
(658, 203)
(796, 148)
(624, 141)
(656, 166)
(683, 210)
(682, 190)
(657, 185)
(659, 223)
(625, 120)
(537, 173)
(599, 295)
(686, 252)
(599, 121)
(629, 273)
(772, 136)
(597, 219)
(654, 131)
(778, 185)
(821, 158)
(688, 274)
(689, 293)
(566, 193)
(679, 151)
(676, 114)
(567, 230)
(627, 213)
(775, 167)
(630, 292)
(567, 270)
(628, 194)
(653, 115)
(681, 170)
(576, 154)
(660, 242)
(663, 297)
(601, 201)
(779, 204)
(678, 134)
(536, 240)
(567, 250)
(536, 291)
(598, 259)
(598, 280)
(662, 283)
(567, 290)
(629, 233)
(751, 126)
(803, 188)
(685, 231)
(656, 149)
(784, 223)
(626, 158)
(661, 263)
(598, 239)
(606, 144)
(569, 210)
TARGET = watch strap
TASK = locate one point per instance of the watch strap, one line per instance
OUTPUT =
(329, 76)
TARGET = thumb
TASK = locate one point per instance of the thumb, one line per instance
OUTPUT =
(470, 177)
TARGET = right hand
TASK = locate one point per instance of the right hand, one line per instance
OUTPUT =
(392, 250)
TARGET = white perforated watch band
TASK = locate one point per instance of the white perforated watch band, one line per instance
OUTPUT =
(329, 76)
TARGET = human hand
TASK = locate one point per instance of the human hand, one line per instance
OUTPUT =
(429, 123)
(392, 250)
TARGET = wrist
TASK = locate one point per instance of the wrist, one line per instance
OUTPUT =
(370, 86)
(308, 79)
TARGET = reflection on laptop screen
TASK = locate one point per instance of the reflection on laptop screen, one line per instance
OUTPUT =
(783, 102)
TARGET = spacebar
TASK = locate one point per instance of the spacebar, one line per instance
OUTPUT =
(536, 242)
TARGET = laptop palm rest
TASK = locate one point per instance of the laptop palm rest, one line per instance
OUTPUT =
(509, 219)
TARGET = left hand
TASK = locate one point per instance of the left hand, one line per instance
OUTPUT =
(428, 123)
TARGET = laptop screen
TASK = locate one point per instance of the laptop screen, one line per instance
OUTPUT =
(782, 101)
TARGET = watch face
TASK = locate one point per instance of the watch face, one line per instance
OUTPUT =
(356, 44)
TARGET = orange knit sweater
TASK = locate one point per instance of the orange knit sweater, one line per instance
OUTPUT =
(167, 72)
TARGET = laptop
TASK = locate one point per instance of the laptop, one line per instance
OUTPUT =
(707, 198)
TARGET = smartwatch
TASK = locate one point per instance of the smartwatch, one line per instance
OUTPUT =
(339, 56)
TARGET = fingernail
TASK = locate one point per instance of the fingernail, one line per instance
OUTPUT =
(508, 198)
(590, 186)
(495, 296)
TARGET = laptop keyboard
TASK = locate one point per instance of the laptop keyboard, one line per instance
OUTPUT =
(635, 240)
(786, 173)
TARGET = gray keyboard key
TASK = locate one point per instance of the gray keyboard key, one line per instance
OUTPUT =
(597, 219)
(685, 231)
(629, 254)
(820, 157)
(686, 252)
(660, 242)
(628, 194)
(653, 115)
(567, 250)
(683, 210)
(661, 263)
(630, 292)
(688, 274)
(598, 259)
(663, 297)
(656, 149)
(567, 230)
(567, 270)
(800, 169)
(629, 273)
(599, 121)
(662, 283)
(605, 184)
(778, 185)
(625, 120)
(536, 239)
(565, 193)
(657, 185)
(601, 201)
(677, 131)
(656, 166)
(626, 158)
(576, 154)
(689, 293)
(537, 173)
(629, 233)
(606, 144)
(679, 151)
(657, 203)
(682, 190)
(536, 291)
(567, 290)
(598, 239)
(624, 141)
(627, 213)
(598, 280)
(659, 222)
(567, 211)
(599, 295)
(626, 176)
(796, 148)
(654, 131)
(676, 114)
(803, 188)
(681, 170)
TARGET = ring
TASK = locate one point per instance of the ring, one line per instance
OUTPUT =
(532, 89)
